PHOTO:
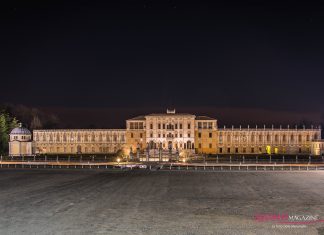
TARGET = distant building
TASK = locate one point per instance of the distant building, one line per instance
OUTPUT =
(173, 132)
(317, 147)
(20, 141)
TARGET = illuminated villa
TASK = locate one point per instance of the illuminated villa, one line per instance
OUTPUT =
(171, 132)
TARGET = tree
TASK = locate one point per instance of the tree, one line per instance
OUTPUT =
(35, 123)
(3, 133)
(7, 123)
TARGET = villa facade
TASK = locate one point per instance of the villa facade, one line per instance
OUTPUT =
(173, 132)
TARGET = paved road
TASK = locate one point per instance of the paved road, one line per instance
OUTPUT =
(50, 201)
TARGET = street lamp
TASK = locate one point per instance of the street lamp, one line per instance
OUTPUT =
(118, 160)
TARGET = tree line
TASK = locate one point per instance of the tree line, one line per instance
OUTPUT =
(7, 123)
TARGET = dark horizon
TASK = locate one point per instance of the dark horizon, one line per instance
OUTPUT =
(99, 63)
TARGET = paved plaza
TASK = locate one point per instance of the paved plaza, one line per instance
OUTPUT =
(67, 201)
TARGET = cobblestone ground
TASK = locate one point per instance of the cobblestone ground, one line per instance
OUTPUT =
(141, 202)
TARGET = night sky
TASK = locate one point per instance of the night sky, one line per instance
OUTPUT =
(100, 62)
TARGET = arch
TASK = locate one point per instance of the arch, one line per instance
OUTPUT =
(170, 145)
(79, 150)
(151, 144)
(188, 144)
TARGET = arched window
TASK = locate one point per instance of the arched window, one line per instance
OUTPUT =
(93, 137)
(284, 138)
(260, 138)
(268, 138)
(79, 137)
(57, 137)
(100, 137)
(292, 137)
(64, 138)
(228, 138)
(86, 137)
(115, 137)
(299, 138)
(44, 137)
(276, 138)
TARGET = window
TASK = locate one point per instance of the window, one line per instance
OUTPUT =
(188, 135)
(151, 135)
(199, 135)
(300, 150)
(228, 150)
(210, 135)
(210, 146)
(252, 150)
(299, 138)
(180, 125)
(210, 125)
(163, 135)
(244, 150)
(292, 137)
(159, 135)
(132, 135)
(141, 135)
(189, 125)
(220, 150)
(176, 126)
(180, 135)
(199, 125)
(159, 126)
(151, 126)
(199, 145)
(236, 150)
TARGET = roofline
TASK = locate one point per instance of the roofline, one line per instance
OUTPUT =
(67, 130)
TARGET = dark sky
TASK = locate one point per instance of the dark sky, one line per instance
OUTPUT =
(88, 57)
